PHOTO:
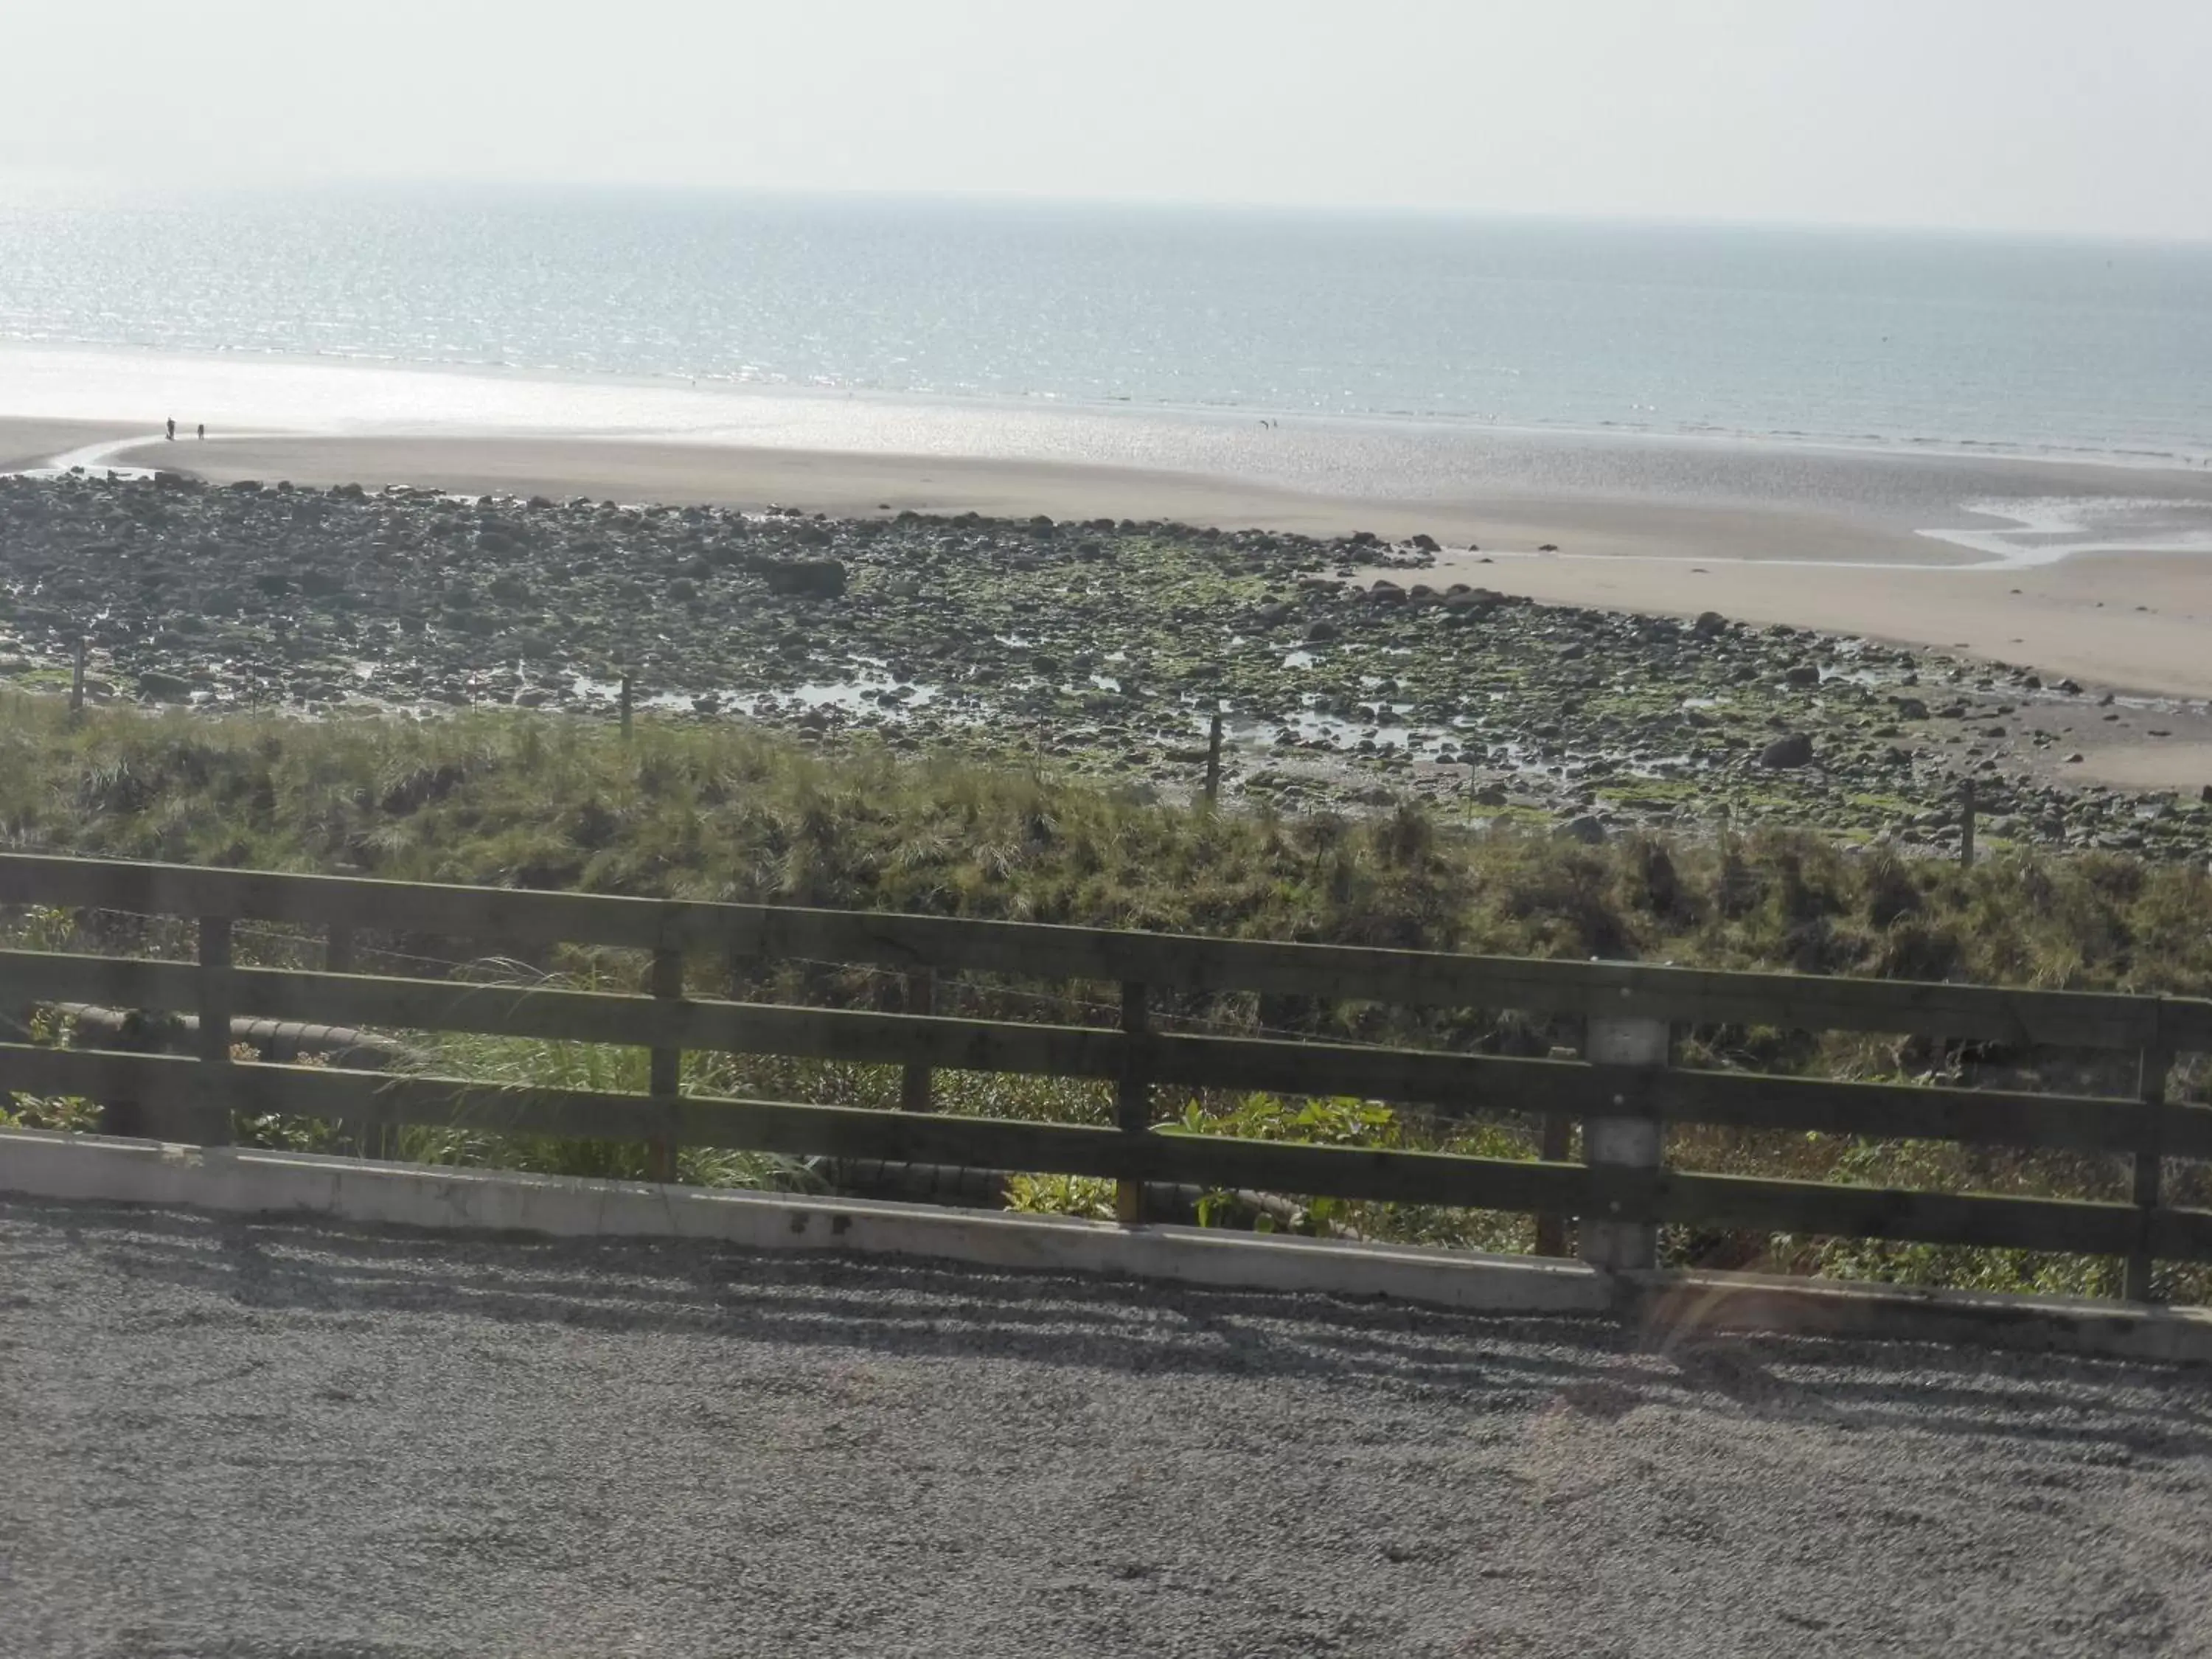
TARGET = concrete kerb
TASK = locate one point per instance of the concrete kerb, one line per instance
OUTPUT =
(1671, 1308)
(35, 1163)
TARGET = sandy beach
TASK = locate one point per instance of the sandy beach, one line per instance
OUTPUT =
(2130, 621)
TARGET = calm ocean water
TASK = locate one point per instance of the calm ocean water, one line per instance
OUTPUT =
(2076, 350)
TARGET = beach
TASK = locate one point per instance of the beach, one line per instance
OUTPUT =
(2097, 573)
(2130, 620)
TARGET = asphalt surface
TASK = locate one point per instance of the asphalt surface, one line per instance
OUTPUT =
(224, 1438)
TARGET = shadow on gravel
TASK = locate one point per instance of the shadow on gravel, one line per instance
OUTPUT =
(1590, 1366)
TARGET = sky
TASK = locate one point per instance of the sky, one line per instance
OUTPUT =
(2073, 115)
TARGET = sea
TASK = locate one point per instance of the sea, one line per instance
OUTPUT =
(1783, 340)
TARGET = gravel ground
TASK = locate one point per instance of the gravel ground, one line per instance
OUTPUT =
(219, 1437)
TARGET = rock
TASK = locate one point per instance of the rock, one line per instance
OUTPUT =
(2072, 688)
(1911, 708)
(1709, 625)
(1426, 543)
(819, 579)
(1386, 593)
(1321, 633)
(1587, 830)
(1796, 749)
(1802, 674)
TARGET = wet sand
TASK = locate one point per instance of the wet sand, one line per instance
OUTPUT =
(32, 443)
(843, 484)
(2132, 622)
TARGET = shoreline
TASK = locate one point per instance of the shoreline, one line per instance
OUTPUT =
(733, 391)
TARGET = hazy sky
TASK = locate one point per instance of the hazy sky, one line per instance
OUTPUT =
(2070, 115)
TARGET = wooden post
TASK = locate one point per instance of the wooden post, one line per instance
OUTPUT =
(628, 682)
(667, 1080)
(1556, 1146)
(76, 680)
(1133, 1100)
(213, 1128)
(2150, 1089)
(1213, 761)
(1624, 1144)
(367, 1140)
(913, 1081)
(1966, 824)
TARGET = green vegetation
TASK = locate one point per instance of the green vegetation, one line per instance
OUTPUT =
(728, 812)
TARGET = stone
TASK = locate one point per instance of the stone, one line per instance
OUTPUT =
(819, 579)
(1796, 749)
(1587, 830)
(1802, 674)
(1709, 624)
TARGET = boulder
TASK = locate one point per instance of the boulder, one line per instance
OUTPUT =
(809, 578)
(1802, 674)
(1709, 624)
(1796, 749)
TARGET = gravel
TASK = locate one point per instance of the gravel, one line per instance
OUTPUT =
(225, 1438)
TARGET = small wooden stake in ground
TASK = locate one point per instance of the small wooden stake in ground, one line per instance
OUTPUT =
(1133, 1103)
(76, 680)
(1213, 760)
(1966, 824)
(627, 682)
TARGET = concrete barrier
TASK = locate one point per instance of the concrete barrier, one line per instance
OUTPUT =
(236, 1180)
(1669, 1309)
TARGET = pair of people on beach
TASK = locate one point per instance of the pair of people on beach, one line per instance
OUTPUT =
(173, 429)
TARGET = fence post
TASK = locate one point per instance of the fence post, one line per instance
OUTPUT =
(1624, 1144)
(666, 1082)
(1966, 824)
(367, 1140)
(1133, 1100)
(1213, 761)
(627, 683)
(1556, 1146)
(2157, 1061)
(76, 680)
(213, 1128)
(913, 1081)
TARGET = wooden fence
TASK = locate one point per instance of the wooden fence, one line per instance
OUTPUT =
(1623, 1090)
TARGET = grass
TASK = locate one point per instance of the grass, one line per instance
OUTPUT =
(729, 812)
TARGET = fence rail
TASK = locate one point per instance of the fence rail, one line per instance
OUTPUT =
(1625, 1091)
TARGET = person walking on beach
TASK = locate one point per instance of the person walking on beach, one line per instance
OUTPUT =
(172, 429)
(203, 431)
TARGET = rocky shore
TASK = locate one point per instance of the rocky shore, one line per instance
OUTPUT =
(1104, 647)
